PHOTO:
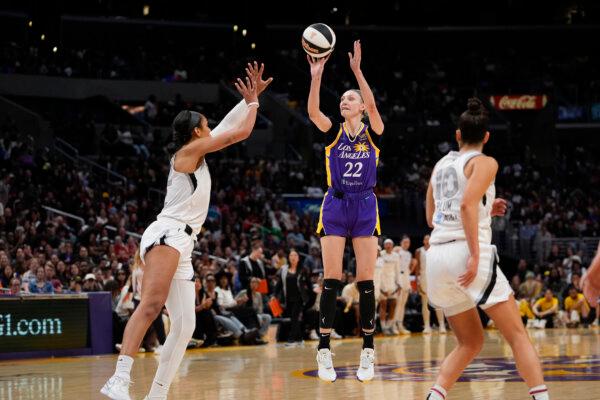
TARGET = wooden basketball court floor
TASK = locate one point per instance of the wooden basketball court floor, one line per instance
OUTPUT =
(406, 367)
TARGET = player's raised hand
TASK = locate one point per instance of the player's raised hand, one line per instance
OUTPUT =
(317, 65)
(356, 57)
(499, 208)
(255, 74)
(469, 276)
(248, 90)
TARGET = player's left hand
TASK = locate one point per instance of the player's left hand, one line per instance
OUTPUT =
(499, 208)
(356, 57)
(255, 74)
(469, 276)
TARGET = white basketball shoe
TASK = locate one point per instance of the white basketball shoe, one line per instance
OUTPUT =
(366, 369)
(116, 388)
(325, 363)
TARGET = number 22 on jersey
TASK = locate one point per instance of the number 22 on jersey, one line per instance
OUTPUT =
(353, 170)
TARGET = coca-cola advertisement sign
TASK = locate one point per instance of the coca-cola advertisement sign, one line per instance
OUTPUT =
(519, 101)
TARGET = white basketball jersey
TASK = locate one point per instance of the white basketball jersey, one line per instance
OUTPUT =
(405, 259)
(449, 182)
(188, 197)
(391, 264)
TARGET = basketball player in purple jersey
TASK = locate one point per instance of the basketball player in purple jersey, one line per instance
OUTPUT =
(349, 208)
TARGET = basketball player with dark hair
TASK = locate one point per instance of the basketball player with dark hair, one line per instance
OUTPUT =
(462, 264)
(349, 208)
(167, 244)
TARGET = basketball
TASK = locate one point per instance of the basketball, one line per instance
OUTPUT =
(318, 40)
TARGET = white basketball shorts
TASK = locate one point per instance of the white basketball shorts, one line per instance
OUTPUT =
(171, 233)
(447, 262)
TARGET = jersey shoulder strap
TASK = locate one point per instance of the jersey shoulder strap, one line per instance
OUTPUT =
(464, 159)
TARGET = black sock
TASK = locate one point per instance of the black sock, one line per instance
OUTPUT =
(368, 340)
(324, 340)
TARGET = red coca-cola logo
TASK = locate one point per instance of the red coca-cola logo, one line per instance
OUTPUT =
(519, 102)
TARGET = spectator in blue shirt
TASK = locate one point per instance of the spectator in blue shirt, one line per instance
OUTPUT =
(40, 284)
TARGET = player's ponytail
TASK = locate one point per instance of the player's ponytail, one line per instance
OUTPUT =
(473, 123)
(183, 128)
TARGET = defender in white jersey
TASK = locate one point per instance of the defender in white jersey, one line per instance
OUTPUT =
(462, 265)
(449, 182)
(167, 244)
(421, 273)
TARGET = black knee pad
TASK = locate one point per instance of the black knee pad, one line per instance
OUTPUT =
(367, 304)
(327, 303)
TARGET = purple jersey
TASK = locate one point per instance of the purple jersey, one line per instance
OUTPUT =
(349, 207)
(351, 164)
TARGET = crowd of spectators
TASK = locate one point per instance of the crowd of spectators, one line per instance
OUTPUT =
(422, 91)
(551, 296)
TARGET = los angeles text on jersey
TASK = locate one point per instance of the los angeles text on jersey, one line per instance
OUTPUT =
(347, 152)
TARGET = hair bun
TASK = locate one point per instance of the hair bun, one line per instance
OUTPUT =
(474, 105)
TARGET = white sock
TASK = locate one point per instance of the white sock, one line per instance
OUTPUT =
(437, 393)
(124, 364)
(539, 392)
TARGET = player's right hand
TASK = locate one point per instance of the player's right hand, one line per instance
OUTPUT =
(469, 276)
(499, 207)
(317, 65)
